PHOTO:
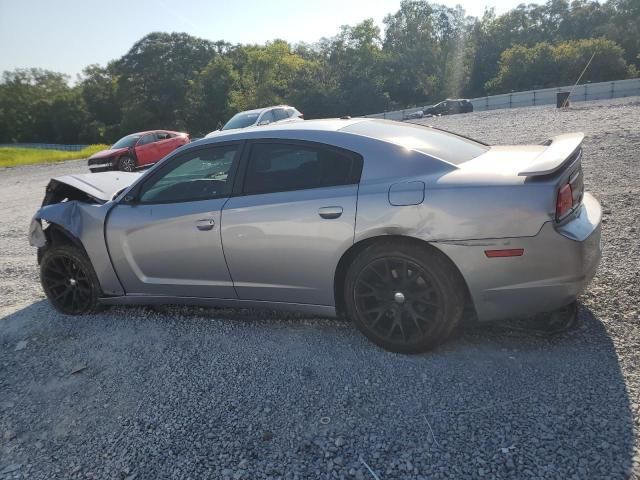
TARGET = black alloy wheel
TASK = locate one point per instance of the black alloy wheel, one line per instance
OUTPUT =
(397, 299)
(127, 164)
(406, 299)
(68, 280)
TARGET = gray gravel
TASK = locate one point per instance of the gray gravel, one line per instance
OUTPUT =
(196, 393)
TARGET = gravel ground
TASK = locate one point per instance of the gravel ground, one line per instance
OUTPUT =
(197, 393)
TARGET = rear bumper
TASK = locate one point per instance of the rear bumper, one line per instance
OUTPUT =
(557, 264)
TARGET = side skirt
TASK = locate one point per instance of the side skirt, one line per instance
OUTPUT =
(316, 310)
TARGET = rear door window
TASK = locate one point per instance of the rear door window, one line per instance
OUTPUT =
(280, 114)
(266, 118)
(281, 167)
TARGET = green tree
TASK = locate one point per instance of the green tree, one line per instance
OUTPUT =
(154, 77)
(99, 91)
(39, 105)
(354, 59)
(267, 73)
(209, 96)
(623, 27)
(411, 51)
(549, 65)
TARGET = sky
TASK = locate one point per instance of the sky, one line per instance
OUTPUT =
(67, 35)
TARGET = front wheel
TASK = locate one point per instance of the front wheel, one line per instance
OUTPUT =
(404, 297)
(127, 164)
(68, 280)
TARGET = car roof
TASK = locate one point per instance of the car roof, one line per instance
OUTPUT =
(263, 109)
(368, 127)
(152, 131)
(325, 125)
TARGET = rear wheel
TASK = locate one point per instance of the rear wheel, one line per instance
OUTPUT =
(68, 280)
(404, 297)
(127, 164)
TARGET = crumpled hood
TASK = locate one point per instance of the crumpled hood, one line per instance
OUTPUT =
(101, 186)
(108, 153)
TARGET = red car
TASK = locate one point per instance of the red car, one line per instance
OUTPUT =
(137, 150)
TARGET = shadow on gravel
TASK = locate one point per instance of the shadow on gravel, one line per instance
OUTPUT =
(208, 393)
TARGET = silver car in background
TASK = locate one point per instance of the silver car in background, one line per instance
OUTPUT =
(400, 227)
(259, 117)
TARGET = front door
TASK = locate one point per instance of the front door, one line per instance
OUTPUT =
(166, 239)
(285, 232)
(147, 150)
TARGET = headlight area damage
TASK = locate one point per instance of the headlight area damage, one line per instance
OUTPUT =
(74, 209)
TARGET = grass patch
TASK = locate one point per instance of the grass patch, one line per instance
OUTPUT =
(12, 157)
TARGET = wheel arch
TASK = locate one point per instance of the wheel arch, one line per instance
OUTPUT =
(358, 247)
(56, 234)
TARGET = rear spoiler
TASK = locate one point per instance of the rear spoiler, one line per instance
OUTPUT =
(560, 149)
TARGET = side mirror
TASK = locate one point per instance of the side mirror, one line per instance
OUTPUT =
(132, 197)
(264, 122)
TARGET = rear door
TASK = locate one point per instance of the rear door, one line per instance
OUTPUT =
(167, 241)
(292, 220)
(146, 149)
(166, 144)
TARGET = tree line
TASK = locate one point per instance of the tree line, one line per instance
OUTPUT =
(426, 52)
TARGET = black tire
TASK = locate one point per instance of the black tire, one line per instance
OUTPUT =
(69, 281)
(127, 164)
(404, 297)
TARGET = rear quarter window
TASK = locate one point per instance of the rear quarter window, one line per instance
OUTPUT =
(445, 146)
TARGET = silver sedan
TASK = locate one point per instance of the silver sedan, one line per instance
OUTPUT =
(400, 227)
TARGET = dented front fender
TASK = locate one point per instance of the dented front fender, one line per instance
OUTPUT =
(85, 223)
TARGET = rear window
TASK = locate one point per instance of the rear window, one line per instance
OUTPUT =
(437, 143)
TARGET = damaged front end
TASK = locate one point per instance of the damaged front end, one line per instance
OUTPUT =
(74, 210)
(92, 188)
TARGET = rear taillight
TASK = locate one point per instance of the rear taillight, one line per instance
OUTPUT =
(564, 202)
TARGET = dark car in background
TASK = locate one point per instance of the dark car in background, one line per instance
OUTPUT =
(137, 150)
(449, 106)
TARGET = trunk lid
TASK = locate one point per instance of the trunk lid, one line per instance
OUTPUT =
(555, 166)
(551, 157)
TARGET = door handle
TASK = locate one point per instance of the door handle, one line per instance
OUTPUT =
(206, 224)
(330, 212)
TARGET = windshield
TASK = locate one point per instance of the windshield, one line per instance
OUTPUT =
(241, 120)
(126, 142)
